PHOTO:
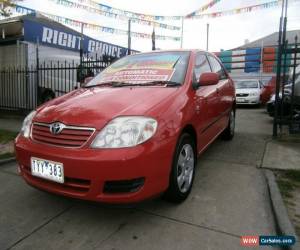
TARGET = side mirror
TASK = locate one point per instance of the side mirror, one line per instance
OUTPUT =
(209, 78)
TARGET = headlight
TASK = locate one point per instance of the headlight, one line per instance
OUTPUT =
(254, 94)
(25, 130)
(125, 131)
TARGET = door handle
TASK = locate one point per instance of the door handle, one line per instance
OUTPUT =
(218, 90)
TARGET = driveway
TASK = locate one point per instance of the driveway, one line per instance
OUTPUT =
(229, 199)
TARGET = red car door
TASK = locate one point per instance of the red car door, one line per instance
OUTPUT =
(206, 104)
(224, 91)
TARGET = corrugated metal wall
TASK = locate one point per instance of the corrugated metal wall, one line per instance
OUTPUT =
(14, 55)
(13, 85)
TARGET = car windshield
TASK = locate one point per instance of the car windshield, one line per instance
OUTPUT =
(246, 84)
(145, 69)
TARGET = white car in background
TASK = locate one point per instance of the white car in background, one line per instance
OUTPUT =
(248, 92)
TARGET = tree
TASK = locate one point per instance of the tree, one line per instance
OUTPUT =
(5, 7)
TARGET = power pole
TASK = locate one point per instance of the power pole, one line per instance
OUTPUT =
(261, 60)
(207, 35)
(129, 36)
(81, 77)
(181, 38)
(153, 39)
(37, 72)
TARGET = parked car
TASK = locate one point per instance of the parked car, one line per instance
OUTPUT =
(131, 133)
(285, 108)
(297, 85)
(248, 92)
(285, 104)
(268, 89)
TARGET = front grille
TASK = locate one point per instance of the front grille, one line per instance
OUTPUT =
(123, 186)
(70, 136)
(242, 95)
(79, 186)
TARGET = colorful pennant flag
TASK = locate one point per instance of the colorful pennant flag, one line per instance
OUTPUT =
(129, 14)
(106, 13)
(203, 8)
(238, 10)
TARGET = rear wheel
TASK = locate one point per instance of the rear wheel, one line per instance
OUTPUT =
(183, 170)
(228, 133)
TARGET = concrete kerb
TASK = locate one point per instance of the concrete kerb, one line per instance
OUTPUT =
(284, 225)
(8, 160)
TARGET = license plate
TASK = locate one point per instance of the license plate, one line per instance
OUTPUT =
(241, 100)
(46, 169)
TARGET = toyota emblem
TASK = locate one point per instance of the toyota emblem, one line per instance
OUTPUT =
(56, 128)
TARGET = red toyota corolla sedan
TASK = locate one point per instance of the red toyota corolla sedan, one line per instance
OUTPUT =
(131, 133)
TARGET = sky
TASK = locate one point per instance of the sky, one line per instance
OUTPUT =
(225, 32)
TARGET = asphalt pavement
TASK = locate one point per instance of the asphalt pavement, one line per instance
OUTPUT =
(229, 199)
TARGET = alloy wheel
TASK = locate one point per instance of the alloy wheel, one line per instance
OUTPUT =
(185, 168)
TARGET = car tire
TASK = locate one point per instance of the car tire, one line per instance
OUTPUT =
(183, 170)
(228, 133)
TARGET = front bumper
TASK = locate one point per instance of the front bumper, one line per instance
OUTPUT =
(88, 171)
(254, 100)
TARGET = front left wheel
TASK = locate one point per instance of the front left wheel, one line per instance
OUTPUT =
(183, 170)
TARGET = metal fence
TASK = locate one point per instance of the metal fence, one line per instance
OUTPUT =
(25, 88)
(287, 105)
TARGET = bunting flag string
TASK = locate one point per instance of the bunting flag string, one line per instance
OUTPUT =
(139, 20)
(76, 23)
(129, 14)
(241, 10)
(203, 8)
